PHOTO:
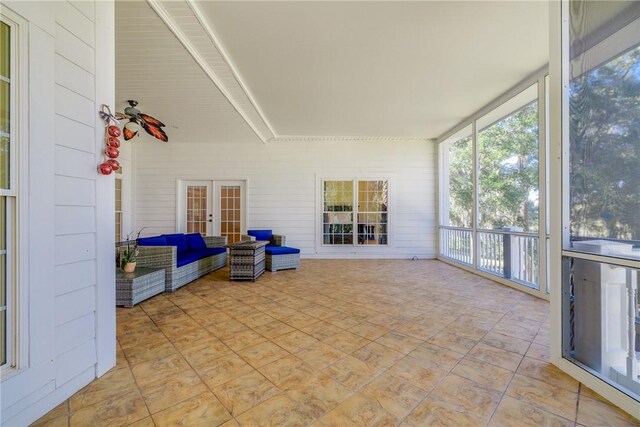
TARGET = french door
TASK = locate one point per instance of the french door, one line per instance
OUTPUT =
(212, 208)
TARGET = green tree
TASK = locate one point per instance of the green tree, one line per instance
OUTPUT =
(508, 156)
(461, 183)
(508, 163)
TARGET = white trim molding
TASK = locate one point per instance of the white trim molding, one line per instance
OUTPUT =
(317, 138)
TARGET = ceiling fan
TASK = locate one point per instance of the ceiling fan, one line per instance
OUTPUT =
(138, 119)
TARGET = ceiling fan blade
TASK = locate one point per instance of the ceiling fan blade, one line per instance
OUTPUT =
(155, 131)
(151, 120)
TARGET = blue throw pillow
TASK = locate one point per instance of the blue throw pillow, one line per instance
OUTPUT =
(196, 241)
(152, 241)
(261, 234)
(178, 240)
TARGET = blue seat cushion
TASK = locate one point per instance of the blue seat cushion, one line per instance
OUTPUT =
(152, 241)
(205, 252)
(261, 234)
(280, 250)
(178, 240)
(196, 241)
(187, 257)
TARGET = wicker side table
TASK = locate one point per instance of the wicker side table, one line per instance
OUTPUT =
(246, 260)
(142, 284)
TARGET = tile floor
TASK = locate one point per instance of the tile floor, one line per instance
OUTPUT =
(337, 343)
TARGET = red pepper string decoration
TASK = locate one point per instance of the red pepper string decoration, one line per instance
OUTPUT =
(111, 134)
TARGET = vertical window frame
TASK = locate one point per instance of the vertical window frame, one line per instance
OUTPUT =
(10, 195)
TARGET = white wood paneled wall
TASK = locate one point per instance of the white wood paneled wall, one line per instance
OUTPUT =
(282, 180)
(67, 269)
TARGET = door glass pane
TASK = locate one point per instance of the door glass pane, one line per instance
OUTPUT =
(230, 212)
(197, 209)
(604, 128)
(337, 218)
(118, 210)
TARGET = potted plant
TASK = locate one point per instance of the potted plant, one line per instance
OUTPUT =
(129, 253)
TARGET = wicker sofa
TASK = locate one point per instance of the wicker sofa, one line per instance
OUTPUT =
(278, 256)
(185, 257)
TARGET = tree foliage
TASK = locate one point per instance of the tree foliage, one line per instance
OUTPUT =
(461, 183)
(508, 156)
(508, 163)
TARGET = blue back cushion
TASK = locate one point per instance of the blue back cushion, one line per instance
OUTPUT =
(152, 241)
(261, 234)
(196, 241)
(179, 240)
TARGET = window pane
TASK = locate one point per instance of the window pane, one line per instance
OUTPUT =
(459, 183)
(5, 169)
(4, 162)
(508, 163)
(4, 106)
(604, 149)
(5, 40)
(372, 212)
(338, 213)
(3, 337)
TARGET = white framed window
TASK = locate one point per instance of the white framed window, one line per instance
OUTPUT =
(8, 192)
(355, 212)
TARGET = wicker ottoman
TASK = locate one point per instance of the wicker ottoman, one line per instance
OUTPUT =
(282, 258)
(246, 260)
(142, 284)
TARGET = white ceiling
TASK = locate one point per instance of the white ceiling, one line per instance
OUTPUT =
(378, 68)
(374, 69)
(153, 68)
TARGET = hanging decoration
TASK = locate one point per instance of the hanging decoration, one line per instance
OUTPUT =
(112, 132)
(137, 119)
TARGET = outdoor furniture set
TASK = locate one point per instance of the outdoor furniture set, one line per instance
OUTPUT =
(167, 262)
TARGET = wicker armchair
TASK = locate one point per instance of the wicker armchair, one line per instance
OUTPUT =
(175, 277)
(278, 256)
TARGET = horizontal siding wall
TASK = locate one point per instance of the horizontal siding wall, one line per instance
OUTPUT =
(62, 297)
(283, 183)
(75, 169)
